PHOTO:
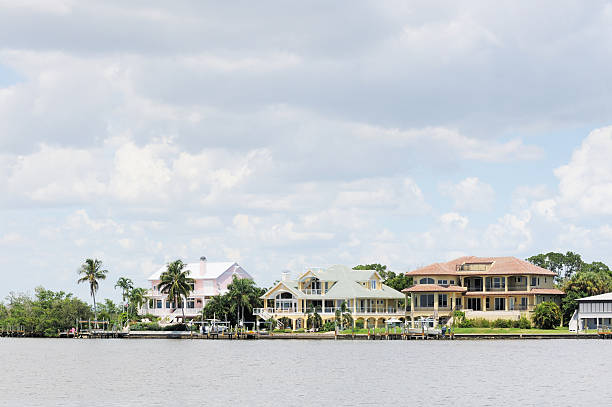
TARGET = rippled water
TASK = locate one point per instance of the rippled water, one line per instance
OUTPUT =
(67, 372)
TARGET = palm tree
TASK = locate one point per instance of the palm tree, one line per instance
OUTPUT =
(242, 293)
(176, 283)
(126, 286)
(92, 271)
(137, 298)
(343, 316)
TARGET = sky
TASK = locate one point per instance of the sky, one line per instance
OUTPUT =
(286, 135)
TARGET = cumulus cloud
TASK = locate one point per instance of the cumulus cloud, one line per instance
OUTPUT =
(470, 194)
(585, 183)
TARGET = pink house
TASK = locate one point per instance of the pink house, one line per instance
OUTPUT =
(210, 279)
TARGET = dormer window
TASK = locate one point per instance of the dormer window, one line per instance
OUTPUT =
(372, 284)
(427, 280)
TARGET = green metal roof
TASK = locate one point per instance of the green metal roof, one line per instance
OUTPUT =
(347, 285)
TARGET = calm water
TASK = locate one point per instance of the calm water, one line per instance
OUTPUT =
(45, 372)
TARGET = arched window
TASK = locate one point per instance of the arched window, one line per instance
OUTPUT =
(426, 280)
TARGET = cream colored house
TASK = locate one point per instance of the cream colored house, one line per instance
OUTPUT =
(482, 287)
(368, 299)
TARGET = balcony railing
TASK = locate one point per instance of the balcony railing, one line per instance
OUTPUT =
(331, 310)
(517, 287)
(312, 291)
(167, 311)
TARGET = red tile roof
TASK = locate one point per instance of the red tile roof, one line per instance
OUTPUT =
(424, 288)
(500, 266)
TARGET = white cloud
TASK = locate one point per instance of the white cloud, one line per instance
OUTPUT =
(454, 219)
(470, 194)
(585, 183)
(511, 233)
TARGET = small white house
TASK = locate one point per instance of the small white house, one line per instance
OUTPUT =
(592, 313)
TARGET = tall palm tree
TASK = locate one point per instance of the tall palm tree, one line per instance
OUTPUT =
(137, 298)
(176, 283)
(91, 272)
(243, 294)
(126, 286)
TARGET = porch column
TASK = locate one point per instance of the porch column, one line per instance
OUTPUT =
(435, 302)
(265, 303)
(507, 301)
(452, 306)
(484, 303)
(411, 307)
(484, 284)
(528, 283)
(506, 278)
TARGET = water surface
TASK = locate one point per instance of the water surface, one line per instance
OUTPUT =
(115, 372)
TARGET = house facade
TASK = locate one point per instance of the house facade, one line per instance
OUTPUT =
(210, 279)
(593, 313)
(482, 287)
(367, 298)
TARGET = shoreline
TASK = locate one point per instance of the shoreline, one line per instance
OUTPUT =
(342, 337)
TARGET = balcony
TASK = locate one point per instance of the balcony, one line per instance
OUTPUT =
(517, 287)
(312, 291)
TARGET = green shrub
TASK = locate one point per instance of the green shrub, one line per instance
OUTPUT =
(524, 323)
(145, 326)
(359, 324)
(278, 331)
(481, 323)
(288, 330)
(328, 326)
(547, 315)
(502, 323)
(466, 323)
(301, 330)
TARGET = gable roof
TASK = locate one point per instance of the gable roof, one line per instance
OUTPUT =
(346, 285)
(213, 270)
(499, 266)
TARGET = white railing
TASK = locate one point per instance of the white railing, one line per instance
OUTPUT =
(162, 312)
(330, 310)
(315, 291)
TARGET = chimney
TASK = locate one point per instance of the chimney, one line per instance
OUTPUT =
(202, 265)
(285, 275)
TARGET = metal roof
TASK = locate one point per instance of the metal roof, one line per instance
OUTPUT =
(347, 285)
(600, 297)
(213, 270)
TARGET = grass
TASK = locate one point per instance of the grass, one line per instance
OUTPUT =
(558, 330)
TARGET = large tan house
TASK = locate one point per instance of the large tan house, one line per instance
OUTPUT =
(367, 298)
(482, 287)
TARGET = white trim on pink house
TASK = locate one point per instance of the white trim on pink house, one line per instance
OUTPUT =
(211, 279)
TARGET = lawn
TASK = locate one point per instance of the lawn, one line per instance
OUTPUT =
(560, 331)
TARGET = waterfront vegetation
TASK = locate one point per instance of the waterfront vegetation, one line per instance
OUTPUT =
(47, 312)
(575, 277)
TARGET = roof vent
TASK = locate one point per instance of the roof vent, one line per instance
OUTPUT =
(285, 275)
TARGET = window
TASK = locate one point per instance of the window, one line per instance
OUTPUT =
(473, 304)
(426, 300)
(534, 281)
(372, 284)
(524, 302)
(488, 303)
(500, 304)
(499, 282)
(159, 304)
(458, 303)
(452, 282)
(167, 304)
(190, 303)
(443, 282)
(442, 300)
(427, 280)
